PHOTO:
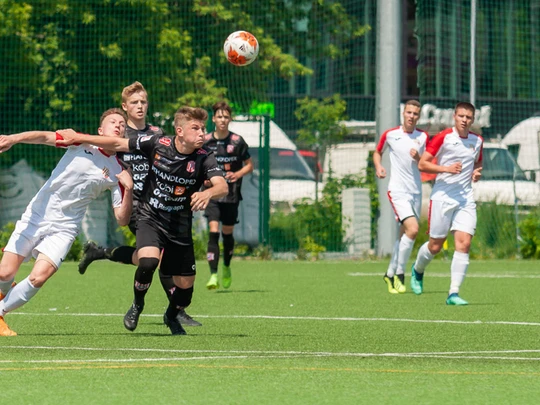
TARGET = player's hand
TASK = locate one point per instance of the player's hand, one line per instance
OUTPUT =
(477, 173)
(125, 179)
(454, 168)
(380, 172)
(200, 200)
(6, 142)
(231, 177)
(414, 154)
(69, 137)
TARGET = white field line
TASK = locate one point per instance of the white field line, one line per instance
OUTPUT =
(469, 275)
(251, 354)
(301, 318)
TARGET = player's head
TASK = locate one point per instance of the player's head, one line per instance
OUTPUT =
(411, 114)
(135, 102)
(189, 125)
(112, 123)
(464, 115)
(222, 115)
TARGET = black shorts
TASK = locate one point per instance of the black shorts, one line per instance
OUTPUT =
(226, 213)
(178, 257)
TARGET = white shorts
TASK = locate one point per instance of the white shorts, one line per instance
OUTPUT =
(445, 216)
(29, 240)
(405, 205)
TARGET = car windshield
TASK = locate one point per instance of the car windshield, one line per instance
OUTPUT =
(498, 164)
(285, 164)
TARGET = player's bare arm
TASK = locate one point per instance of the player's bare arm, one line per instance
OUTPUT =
(123, 213)
(477, 172)
(414, 154)
(426, 165)
(33, 137)
(71, 137)
(246, 169)
(380, 171)
(200, 199)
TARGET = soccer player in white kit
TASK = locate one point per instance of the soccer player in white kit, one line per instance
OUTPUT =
(52, 219)
(406, 144)
(452, 206)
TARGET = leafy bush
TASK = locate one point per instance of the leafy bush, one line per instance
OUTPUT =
(530, 235)
(316, 226)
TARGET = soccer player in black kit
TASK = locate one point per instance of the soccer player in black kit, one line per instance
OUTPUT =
(135, 104)
(233, 158)
(178, 168)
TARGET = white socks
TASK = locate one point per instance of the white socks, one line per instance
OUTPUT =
(406, 245)
(458, 269)
(392, 267)
(423, 258)
(18, 296)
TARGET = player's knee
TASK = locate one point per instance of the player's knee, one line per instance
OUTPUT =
(182, 297)
(147, 267)
(435, 247)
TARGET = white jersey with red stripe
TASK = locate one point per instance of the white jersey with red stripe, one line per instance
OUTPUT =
(448, 147)
(404, 173)
(83, 173)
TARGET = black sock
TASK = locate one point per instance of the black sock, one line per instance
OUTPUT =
(167, 283)
(401, 278)
(228, 248)
(143, 278)
(121, 254)
(212, 255)
(181, 298)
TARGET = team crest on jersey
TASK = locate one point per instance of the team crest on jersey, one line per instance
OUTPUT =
(235, 137)
(106, 172)
(179, 190)
(201, 152)
(154, 128)
(145, 138)
(165, 141)
(230, 148)
(190, 166)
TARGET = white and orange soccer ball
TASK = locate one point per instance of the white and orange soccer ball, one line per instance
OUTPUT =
(241, 48)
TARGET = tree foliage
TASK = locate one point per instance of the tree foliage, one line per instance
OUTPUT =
(65, 61)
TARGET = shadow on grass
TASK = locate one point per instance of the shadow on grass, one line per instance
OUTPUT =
(240, 291)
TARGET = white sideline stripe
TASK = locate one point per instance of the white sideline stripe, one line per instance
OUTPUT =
(469, 275)
(305, 318)
(251, 354)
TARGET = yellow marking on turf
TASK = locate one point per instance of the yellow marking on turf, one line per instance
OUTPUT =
(263, 368)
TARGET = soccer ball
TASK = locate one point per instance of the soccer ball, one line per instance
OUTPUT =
(241, 48)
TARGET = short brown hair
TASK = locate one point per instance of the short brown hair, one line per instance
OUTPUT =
(185, 114)
(112, 111)
(416, 103)
(135, 87)
(222, 105)
(465, 105)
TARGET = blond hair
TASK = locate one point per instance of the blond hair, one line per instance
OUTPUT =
(135, 87)
(185, 114)
(112, 111)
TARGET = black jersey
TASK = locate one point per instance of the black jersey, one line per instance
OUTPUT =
(172, 178)
(136, 161)
(231, 153)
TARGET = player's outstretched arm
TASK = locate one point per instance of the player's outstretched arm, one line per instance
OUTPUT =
(34, 137)
(200, 199)
(70, 137)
